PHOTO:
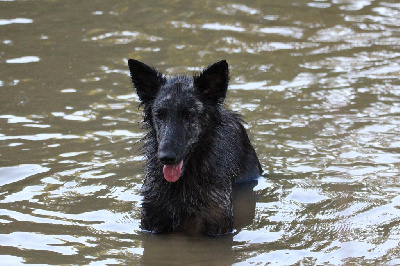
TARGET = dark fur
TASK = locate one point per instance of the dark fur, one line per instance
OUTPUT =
(185, 120)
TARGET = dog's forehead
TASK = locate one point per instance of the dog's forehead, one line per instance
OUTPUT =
(179, 82)
(174, 89)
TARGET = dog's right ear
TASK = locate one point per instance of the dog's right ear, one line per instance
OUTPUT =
(146, 79)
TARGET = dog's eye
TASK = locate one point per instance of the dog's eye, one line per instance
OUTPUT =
(160, 115)
(187, 115)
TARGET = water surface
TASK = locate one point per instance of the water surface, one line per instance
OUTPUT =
(317, 83)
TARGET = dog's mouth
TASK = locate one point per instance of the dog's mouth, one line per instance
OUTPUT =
(172, 172)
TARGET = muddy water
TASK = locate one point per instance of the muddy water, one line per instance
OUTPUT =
(317, 82)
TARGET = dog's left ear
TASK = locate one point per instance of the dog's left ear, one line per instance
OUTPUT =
(212, 83)
(146, 79)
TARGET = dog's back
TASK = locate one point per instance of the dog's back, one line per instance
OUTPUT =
(196, 150)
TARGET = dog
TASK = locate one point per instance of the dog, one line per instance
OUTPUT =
(196, 150)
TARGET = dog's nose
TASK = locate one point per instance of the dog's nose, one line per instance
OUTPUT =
(167, 157)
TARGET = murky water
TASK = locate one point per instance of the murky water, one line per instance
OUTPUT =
(317, 82)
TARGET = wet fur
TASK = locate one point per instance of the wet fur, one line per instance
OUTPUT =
(184, 116)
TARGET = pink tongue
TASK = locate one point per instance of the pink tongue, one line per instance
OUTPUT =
(172, 172)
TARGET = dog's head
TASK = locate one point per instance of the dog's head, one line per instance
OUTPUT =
(178, 108)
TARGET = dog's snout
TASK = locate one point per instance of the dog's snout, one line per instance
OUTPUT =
(167, 157)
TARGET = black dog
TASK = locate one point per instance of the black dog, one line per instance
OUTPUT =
(195, 149)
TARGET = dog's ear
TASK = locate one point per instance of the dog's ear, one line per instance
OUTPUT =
(212, 83)
(146, 79)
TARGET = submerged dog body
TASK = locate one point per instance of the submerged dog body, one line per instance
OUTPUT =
(195, 150)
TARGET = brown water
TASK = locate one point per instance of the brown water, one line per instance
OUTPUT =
(317, 82)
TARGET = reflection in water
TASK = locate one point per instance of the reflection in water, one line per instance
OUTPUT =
(16, 173)
(24, 59)
(15, 20)
(316, 81)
